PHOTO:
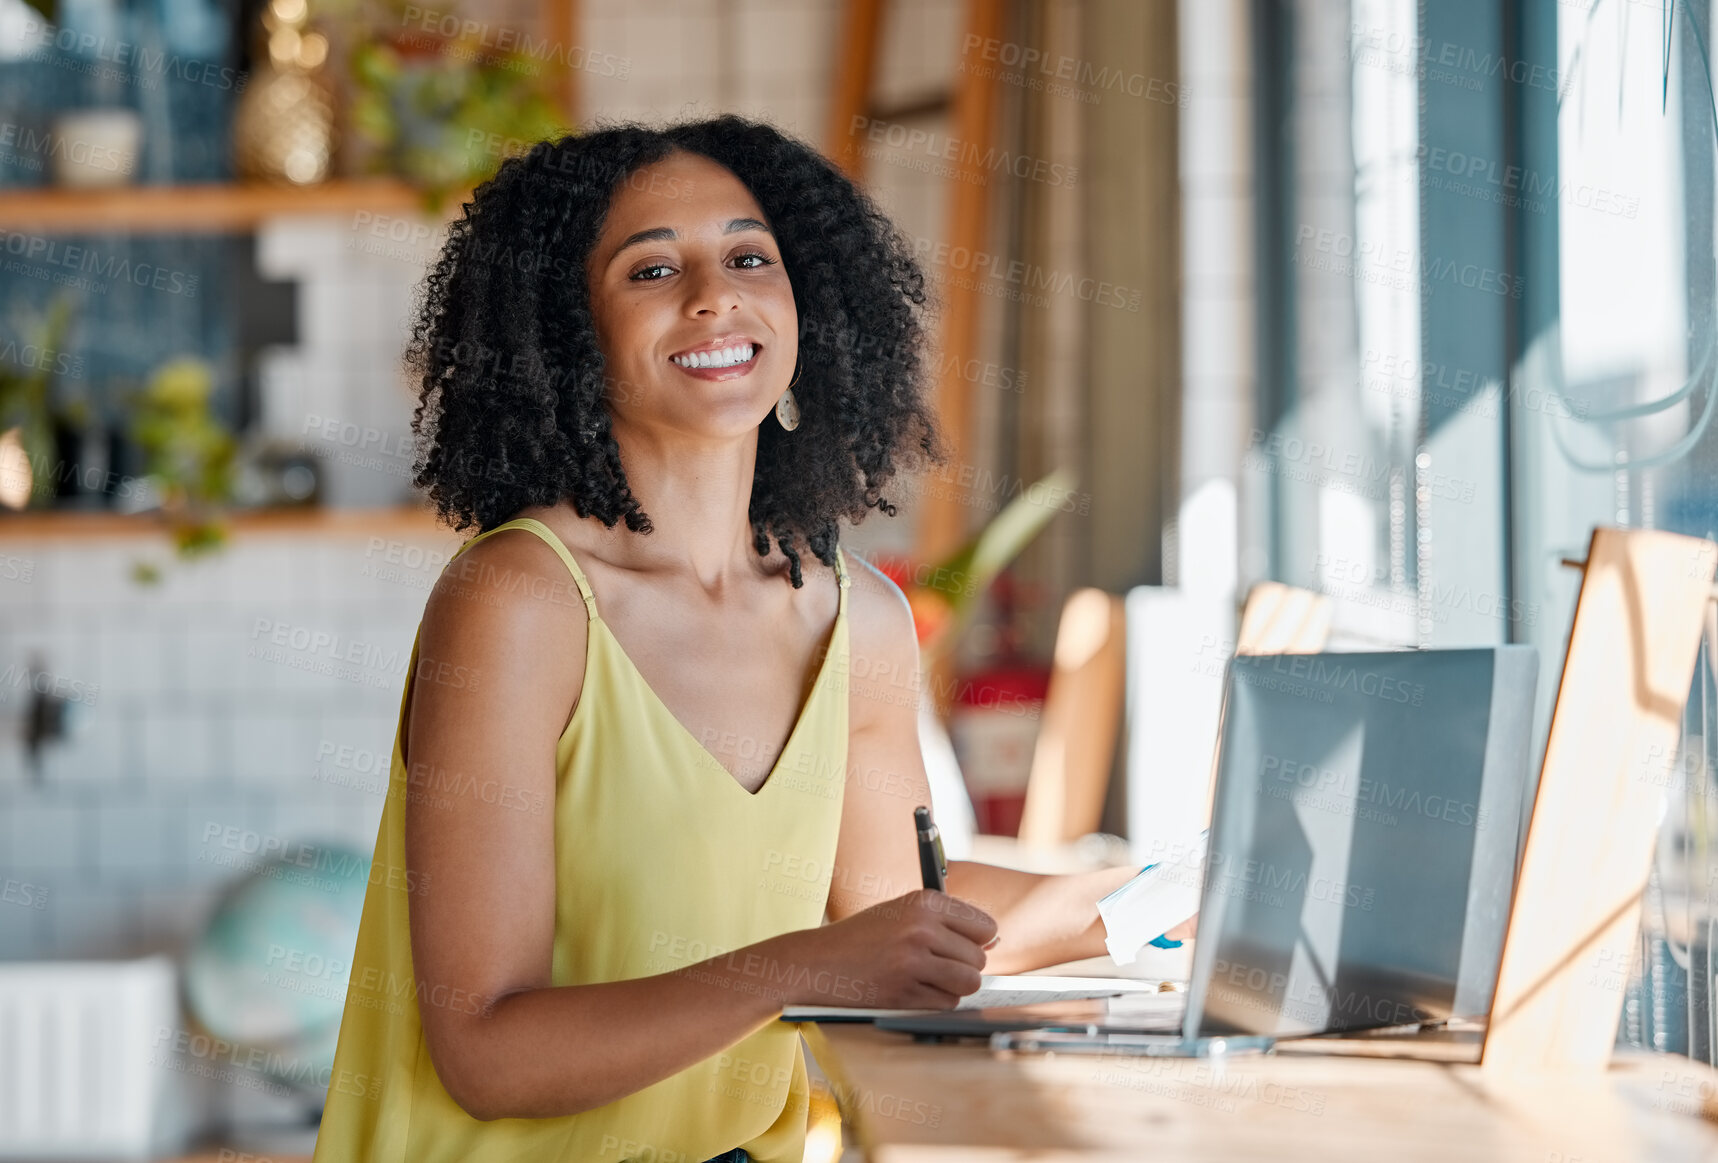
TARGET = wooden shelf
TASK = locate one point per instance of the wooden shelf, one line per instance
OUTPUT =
(393, 521)
(205, 208)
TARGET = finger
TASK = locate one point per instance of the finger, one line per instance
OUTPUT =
(947, 943)
(965, 918)
(955, 977)
(930, 998)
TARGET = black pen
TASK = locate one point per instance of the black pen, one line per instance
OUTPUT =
(932, 864)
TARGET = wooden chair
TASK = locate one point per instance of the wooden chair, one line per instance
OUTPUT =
(1082, 715)
(1077, 734)
(1616, 727)
(1283, 619)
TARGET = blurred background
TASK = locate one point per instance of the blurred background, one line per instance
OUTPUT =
(1390, 302)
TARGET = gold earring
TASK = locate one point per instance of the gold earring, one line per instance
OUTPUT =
(787, 408)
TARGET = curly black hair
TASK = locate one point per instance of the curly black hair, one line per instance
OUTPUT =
(511, 407)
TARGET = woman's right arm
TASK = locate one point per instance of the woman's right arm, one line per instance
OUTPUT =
(500, 666)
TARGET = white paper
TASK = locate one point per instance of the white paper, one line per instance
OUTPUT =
(1155, 901)
(994, 990)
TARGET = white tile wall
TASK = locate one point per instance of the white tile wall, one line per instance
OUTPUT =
(182, 729)
(353, 307)
(50, 840)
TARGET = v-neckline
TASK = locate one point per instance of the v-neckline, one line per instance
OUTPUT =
(817, 685)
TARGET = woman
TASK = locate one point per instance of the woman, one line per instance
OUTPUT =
(654, 783)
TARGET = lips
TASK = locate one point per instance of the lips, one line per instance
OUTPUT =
(732, 339)
(720, 354)
(741, 359)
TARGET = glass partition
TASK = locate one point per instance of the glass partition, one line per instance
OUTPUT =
(1623, 432)
(1486, 298)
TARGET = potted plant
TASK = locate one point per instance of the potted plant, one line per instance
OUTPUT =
(29, 455)
(944, 595)
(188, 455)
(442, 112)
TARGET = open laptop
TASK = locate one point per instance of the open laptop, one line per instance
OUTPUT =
(1362, 856)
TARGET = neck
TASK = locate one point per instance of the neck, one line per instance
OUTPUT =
(698, 495)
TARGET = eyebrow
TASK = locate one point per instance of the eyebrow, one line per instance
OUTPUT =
(666, 233)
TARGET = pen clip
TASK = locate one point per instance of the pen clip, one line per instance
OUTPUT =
(933, 865)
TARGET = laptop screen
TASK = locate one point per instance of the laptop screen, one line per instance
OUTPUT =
(1363, 839)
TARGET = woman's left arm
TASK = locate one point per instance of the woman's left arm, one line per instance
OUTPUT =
(1041, 920)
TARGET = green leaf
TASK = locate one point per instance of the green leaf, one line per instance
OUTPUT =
(965, 576)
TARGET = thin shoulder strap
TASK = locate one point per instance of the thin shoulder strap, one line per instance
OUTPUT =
(547, 534)
(841, 574)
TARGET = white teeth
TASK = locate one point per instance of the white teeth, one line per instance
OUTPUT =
(726, 357)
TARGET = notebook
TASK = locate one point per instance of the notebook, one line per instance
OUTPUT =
(994, 990)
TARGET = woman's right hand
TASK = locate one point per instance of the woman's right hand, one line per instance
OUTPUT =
(923, 950)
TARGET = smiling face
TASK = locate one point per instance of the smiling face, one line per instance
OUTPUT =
(692, 304)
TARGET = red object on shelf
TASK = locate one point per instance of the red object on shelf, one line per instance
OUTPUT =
(994, 727)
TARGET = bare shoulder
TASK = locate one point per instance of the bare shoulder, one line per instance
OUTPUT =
(512, 578)
(878, 610)
(508, 610)
(882, 639)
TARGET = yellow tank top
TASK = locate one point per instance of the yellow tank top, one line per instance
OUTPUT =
(662, 860)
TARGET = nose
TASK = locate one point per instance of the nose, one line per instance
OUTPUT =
(710, 290)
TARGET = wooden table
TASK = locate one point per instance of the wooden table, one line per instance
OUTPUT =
(949, 1103)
